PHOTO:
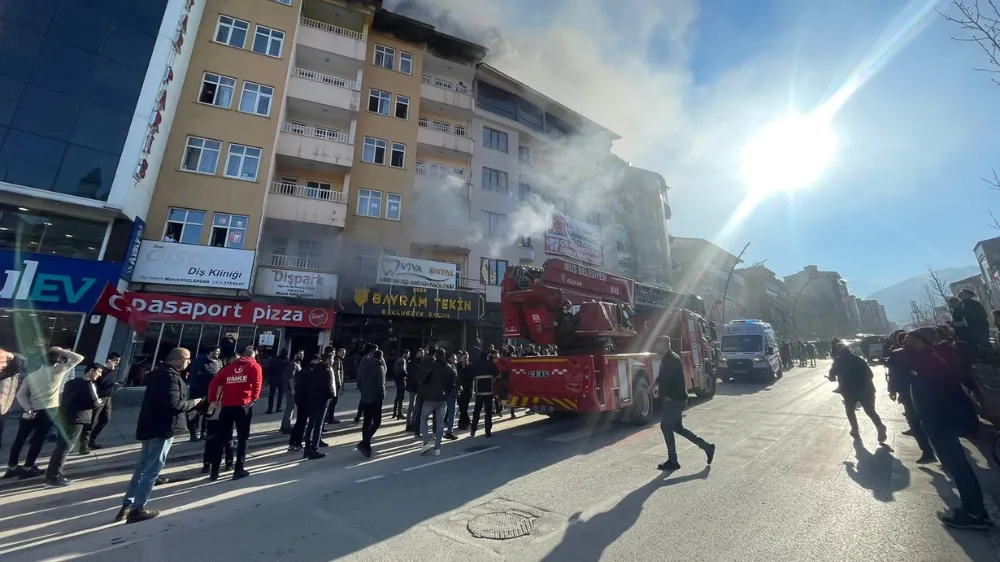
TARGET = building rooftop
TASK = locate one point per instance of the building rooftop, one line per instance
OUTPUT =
(416, 31)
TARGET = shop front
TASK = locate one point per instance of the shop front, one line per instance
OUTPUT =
(162, 322)
(401, 317)
(45, 299)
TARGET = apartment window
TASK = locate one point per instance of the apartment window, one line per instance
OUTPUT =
(406, 62)
(496, 223)
(201, 155)
(523, 191)
(524, 154)
(309, 248)
(525, 242)
(318, 190)
(393, 206)
(389, 251)
(497, 140)
(458, 273)
(243, 162)
(279, 246)
(370, 203)
(494, 180)
(217, 90)
(385, 57)
(491, 272)
(268, 41)
(231, 31)
(402, 107)
(379, 101)
(374, 151)
(461, 131)
(441, 126)
(460, 172)
(397, 158)
(184, 226)
(229, 231)
(256, 99)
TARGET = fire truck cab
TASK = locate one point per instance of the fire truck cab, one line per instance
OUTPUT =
(609, 332)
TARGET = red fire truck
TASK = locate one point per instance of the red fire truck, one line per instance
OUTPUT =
(606, 328)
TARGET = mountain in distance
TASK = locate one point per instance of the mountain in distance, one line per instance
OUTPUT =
(896, 298)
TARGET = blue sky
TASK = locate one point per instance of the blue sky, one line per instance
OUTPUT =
(687, 83)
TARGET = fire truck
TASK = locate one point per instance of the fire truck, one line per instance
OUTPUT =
(606, 328)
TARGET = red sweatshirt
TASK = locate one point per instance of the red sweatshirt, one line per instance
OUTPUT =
(240, 383)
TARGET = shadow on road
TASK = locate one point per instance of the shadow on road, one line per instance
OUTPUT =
(875, 471)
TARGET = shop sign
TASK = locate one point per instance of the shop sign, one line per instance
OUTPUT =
(289, 283)
(171, 263)
(410, 272)
(575, 239)
(142, 308)
(134, 243)
(415, 302)
(40, 282)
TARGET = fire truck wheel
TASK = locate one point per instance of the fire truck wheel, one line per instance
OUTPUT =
(708, 391)
(641, 412)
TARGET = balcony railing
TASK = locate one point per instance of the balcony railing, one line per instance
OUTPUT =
(295, 262)
(444, 85)
(325, 78)
(306, 192)
(330, 28)
(315, 132)
(442, 127)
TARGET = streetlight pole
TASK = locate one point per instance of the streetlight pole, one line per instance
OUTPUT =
(796, 301)
(726, 290)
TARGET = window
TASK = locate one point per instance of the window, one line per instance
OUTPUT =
(523, 191)
(217, 90)
(441, 126)
(268, 41)
(491, 272)
(309, 249)
(370, 203)
(319, 190)
(406, 62)
(201, 155)
(458, 273)
(379, 101)
(184, 226)
(389, 251)
(402, 107)
(525, 242)
(397, 159)
(279, 246)
(460, 172)
(494, 180)
(256, 99)
(231, 31)
(460, 131)
(243, 162)
(393, 206)
(385, 57)
(524, 154)
(374, 151)
(496, 223)
(497, 140)
(229, 231)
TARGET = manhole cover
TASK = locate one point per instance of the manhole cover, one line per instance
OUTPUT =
(500, 526)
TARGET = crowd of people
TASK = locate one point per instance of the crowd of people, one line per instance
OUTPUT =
(803, 353)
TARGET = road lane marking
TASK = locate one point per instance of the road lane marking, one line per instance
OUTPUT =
(449, 459)
(369, 479)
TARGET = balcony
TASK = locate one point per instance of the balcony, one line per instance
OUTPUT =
(291, 202)
(324, 90)
(429, 178)
(331, 38)
(444, 98)
(279, 261)
(436, 138)
(525, 252)
(319, 144)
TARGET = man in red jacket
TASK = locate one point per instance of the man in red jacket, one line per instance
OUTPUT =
(238, 385)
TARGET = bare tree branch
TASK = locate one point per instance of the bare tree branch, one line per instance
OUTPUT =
(939, 285)
(981, 23)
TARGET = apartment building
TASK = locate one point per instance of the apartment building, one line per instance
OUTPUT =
(767, 299)
(87, 98)
(704, 269)
(819, 303)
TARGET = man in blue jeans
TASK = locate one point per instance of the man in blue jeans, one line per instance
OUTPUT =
(162, 416)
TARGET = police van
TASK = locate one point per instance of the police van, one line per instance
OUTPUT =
(749, 350)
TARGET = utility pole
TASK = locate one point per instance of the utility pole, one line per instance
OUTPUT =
(725, 291)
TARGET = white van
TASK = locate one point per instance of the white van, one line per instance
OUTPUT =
(749, 349)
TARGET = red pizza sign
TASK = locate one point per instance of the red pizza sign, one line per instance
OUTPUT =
(142, 308)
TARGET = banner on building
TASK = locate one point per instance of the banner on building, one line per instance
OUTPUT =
(172, 263)
(274, 282)
(410, 272)
(414, 302)
(575, 239)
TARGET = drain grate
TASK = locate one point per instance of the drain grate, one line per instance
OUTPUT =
(501, 525)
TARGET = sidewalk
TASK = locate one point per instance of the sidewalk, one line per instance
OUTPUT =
(121, 449)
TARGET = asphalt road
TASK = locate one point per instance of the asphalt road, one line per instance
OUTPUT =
(787, 484)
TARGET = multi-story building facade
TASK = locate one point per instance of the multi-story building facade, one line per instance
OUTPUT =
(706, 270)
(88, 92)
(988, 257)
(767, 298)
(819, 303)
(873, 320)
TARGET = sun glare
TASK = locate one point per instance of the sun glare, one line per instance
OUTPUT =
(788, 154)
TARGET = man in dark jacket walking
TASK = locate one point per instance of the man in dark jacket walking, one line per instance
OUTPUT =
(79, 399)
(484, 373)
(161, 417)
(203, 370)
(101, 415)
(440, 383)
(274, 373)
(673, 397)
(856, 385)
(371, 385)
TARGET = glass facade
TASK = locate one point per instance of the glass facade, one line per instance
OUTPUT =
(70, 76)
(42, 232)
(153, 345)
(31, 333)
